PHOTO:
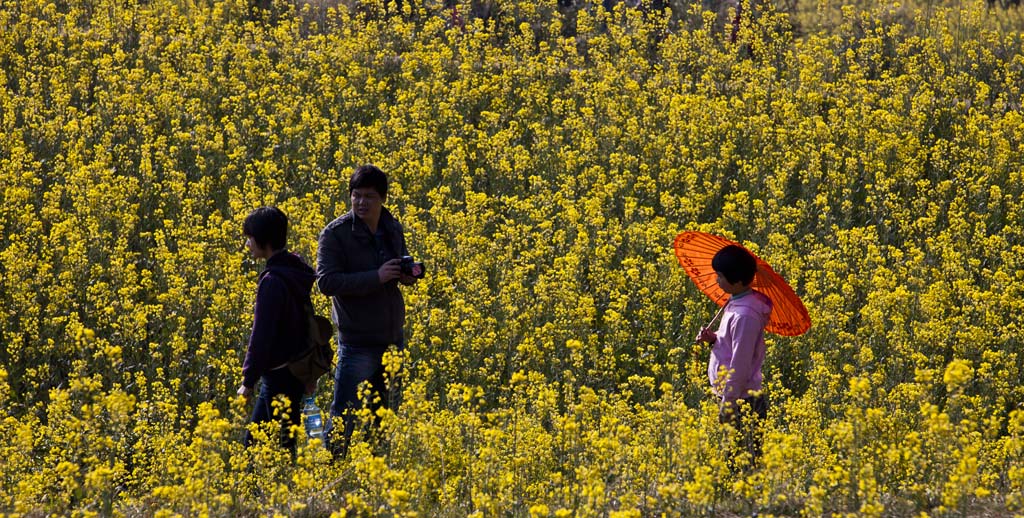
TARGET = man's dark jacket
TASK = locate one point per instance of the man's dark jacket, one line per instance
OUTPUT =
(348, 256)
(280, 324)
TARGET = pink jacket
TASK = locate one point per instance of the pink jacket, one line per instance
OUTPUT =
(739, 347)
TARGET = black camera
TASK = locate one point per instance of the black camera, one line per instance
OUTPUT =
(412, 267)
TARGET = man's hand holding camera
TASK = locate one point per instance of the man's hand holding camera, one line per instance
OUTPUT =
(405, 269)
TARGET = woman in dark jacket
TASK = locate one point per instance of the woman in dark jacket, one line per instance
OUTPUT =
(279, 320)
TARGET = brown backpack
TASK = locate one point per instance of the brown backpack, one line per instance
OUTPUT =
(316, 358)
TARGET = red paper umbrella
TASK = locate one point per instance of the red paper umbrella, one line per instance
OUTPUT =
(694, 250)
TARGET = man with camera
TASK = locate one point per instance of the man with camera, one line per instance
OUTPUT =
(361, 259)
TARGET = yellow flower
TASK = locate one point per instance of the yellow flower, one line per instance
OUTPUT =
(539, 510)
(958, 373)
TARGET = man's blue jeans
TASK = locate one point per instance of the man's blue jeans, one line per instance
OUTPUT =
(358, 364)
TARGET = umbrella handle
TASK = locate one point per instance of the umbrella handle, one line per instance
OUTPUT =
(713, 319)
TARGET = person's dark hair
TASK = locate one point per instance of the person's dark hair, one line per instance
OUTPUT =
(735, 263)
(267, 226)
(369, 176)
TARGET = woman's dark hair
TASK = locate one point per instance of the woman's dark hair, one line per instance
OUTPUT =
(267, 226)
(369, 176)
(735, 263)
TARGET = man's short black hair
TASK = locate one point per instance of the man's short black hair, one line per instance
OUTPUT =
(736, 264)
(369, 176)
(267, 226)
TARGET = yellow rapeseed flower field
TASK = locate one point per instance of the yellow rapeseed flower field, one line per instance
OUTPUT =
(543, 157)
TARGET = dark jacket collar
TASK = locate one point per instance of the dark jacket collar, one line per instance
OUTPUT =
(286, 259)
(290, 264)
(386, 223)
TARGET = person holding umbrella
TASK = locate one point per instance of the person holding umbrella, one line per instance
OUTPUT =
(754, 299)
(738, 351)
